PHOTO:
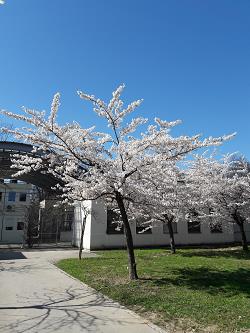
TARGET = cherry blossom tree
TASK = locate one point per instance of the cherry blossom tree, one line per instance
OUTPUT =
(224, 189)
(164, 198)
(90, 165)
(5, 136)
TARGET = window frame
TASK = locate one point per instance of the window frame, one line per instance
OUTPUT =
(21, 194)
(216, 228)
(18, 224)
(10, 193)
(110, 221)
(9, 228)
(194, 227)
(139, 227)
(194, 224)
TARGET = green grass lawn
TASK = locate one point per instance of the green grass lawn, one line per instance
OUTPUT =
(196, 288)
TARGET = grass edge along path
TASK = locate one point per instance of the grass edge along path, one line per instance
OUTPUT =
(196, 290)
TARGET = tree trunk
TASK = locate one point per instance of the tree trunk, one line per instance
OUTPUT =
(171, 236)
(240, 221)
(129, 239)
(243, 236)
(81, 241)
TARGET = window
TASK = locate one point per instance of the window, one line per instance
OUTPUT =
(68, 221)
(165, 228)
(194, 226)
(20, 226)
(114, 223)
(22, 197)
(1, 195)
(142, 227)
(216, 228)
(9, 228)
(69, 215)
(12, 196)
(215, 225)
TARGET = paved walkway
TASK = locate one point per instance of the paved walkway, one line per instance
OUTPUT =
(35, 296)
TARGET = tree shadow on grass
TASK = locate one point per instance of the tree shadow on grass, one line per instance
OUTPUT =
(230, 254)
(215, 282)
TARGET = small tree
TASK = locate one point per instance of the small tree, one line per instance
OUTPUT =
(31, 224)
(96, 165)
(84, 214)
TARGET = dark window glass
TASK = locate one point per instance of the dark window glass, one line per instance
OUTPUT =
(142, 230)
(22, 197)
(165, 228)
(68, 221)
(12, 196)
(9, 228)
(20, 225)
(1, 195)
(194, 226)
(67, 226)
(216, 228)
(142, 227)
(114, 223)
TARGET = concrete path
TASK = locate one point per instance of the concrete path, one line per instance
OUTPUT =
(35, 296)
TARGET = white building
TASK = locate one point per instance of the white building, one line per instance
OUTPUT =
(62, 225)
(50, 224)
(101, 233)
(15, 197)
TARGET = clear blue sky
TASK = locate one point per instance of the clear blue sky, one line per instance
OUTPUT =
(188, 59)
